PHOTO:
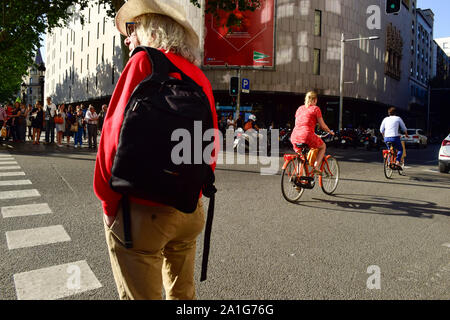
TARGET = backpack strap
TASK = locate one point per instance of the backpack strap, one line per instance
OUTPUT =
(161, 65)
(209, 191)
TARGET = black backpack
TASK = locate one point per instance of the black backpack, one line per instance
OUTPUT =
(143, 166)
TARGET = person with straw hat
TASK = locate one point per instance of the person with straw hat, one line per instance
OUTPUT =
(164, 239)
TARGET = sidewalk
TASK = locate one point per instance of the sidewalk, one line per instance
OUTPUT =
(28, 145)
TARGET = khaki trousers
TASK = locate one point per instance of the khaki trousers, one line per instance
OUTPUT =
(163, 253)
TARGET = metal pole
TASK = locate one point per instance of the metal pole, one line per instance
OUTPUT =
(341, 83)
(238, 102)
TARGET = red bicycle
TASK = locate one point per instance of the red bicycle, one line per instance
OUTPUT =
(390, 166)
(298, 174)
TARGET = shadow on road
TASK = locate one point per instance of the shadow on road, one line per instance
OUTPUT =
(383, 205)
(50, 151)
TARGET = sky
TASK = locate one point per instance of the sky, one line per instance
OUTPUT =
(441, 9)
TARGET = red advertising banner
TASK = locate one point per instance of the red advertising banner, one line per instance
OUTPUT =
(251, 44)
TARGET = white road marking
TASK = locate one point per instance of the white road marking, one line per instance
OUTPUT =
(9, 167)
(15, 194)
(355, 159)
(25, 210)
(446, 245)
(7, 162)
(14, 182)
(431, 170)
(36, 237)
(11, 174)
(55, 282)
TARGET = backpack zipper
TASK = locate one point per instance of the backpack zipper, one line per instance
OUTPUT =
(136, 104)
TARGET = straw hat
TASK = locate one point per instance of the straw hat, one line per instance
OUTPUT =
(134, 8)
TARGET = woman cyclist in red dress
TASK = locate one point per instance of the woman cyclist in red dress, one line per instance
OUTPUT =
(306, 118)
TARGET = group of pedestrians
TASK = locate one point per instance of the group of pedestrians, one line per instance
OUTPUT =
(69, 122)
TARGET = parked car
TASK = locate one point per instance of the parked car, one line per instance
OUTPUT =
(416, 138)
(444, 156)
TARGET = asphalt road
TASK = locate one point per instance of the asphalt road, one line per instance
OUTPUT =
(262, 246)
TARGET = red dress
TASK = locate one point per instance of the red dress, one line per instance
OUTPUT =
(305, 123)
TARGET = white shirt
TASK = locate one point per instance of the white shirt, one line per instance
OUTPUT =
(390, 126)
(90, 116)
(52, 109)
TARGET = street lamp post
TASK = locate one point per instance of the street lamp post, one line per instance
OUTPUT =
(41, 70)
(24, 90)
(341, 82)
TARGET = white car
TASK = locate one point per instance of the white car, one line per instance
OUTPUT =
(416, 137)
(444, 156)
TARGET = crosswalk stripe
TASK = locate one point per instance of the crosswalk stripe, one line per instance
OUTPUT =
(36, 237)
(14, 183)
(55, 282)
(6, 156)
(25, 210)
(16, 194)
(11, 174)
(7, 162)
(9, 167)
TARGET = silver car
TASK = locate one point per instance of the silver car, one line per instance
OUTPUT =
(416, 138)
(444, 156)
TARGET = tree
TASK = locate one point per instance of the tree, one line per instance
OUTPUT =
(23, 22)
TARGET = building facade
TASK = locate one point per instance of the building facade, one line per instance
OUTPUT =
(422, 64)
(32, 88)
(83, 63)
(441, 63)
(444, 43)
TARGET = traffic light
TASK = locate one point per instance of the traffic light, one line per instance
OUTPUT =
(234, 86)
(393, 6)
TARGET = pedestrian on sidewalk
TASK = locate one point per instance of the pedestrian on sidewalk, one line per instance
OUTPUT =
(79, 120)
(13, 122)
(101, 117)
(70, 120)
(61, 126)
(21, 126)
(3, 117)
(163, 255)
(92, 119)
(28, 122)
(50, 112)
(84, 110)
(37, 122)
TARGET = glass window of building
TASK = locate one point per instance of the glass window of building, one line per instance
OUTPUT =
(316, 65)
(317, 23)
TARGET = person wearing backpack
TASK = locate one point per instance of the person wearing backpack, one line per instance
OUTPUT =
(152, 244)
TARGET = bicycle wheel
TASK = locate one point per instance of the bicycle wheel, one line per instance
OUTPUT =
(288, 188)
(387, 166)
(330, 176)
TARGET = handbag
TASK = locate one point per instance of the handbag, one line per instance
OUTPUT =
(59, 120)
(74, 128)
(3, 132)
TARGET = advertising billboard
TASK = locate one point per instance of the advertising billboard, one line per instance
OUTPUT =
(249, 44)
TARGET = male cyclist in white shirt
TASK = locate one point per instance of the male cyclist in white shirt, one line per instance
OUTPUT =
(390, 131)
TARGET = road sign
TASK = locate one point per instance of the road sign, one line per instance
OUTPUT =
(246, 85)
